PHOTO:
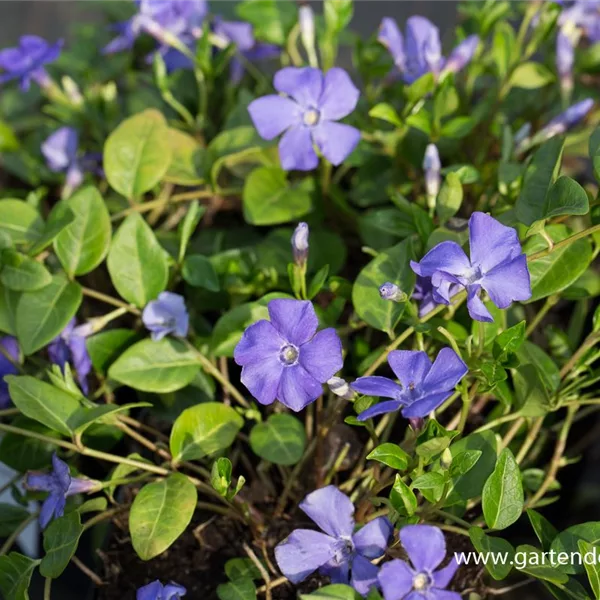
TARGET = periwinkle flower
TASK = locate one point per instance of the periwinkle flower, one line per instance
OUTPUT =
(420, 52)
(341, 388)
(165, 315)
(26, 61)
(432, 167)
(424, 292)
(423, 386)
(70, 347)
(300, 243)
(566, 120)
(390, 291)
(339, 552)
(10, 348)
(308, 114)
(285, 358)
(497, 266)
(157, 591)
(60, 486)
(60, 150)
(419, 580)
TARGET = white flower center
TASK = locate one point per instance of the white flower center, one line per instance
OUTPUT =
(311, 117)
(288, 355)
(421, 581)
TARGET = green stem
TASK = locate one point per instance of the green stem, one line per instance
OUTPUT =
(9, 412)
(550, 302)
(110, 300)
(48, 588)
(563, 243)
(16, 533)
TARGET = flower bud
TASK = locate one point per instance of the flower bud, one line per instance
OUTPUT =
(390, 291)
(300, 243)
(432, 167)
(565, 59)
(416, 423)
(340, 387)
(306, 20)
(446, 459)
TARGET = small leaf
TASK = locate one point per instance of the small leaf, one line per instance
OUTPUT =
(198, 271)
(188, 226)
(281, 439)
(386, 112)
(486, 544)
(160, 514)
(21, 273)
(462, 463)
(502, 499)
(591, 567)
(530, 76)
(567, 541)
(20, 221)
(544, 530)
(83, 417)
(509, 341)
(337, 591)
(391, 455)
(105, 347)
(27, 453)
(403, 499)
(450, 198)
(187, 164)
(220, 475)
(236, 568)
(15, 575)
(121, 471)
(239, 589)
(535, 563)
(60, 542)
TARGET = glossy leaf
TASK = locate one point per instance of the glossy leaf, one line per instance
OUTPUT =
(20, 221)
(15, 574)
(187, 161)
(281, 439)
(60, 543)
(485, 544)
(20, 273)
(391, 455)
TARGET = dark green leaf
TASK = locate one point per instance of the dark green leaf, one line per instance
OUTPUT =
(198, 271)
(60, 542)
(500, 548)
(280, 439)
(391, 455)
(15, 574)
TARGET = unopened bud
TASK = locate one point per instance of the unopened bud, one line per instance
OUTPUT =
(446, 459)
(432, 167)
(300, 243)
(72, 91)
(341, 388)
(390, 291)
(306, 18)
(416, 423)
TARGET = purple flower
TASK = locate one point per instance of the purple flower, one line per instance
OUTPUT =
(26, 61)
(497, 266)
(300, 243)
(157, 591)
(421, 51)
(60, 151)
(432, 167)
(241, 35)
(566, 120)
(424, 292)
(10, 347)
(307, 115)
(426, 549)
(581, 16)
(286, 359)
(60, 485)
(565, 59)
(339, 552)
(166, 315)
(69, 347)
(390, 291)
(423, 386)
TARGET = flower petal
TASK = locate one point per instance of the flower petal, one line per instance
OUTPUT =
(322, 356)
(336, 140)
(304, 85)
(423, 48)
(52, 508)
(423, 406)
(337, 573)
(152, 591)
(81, 360)
(461, 55)
(295, 320)
(425, 546)
(380, 409)
(490, 242)
(39, 482)
(331, 510)
(339, 97)
(447, 370)
(364, 575)
(396, 579)
(373, 539)
(174, 591)
(61, 473)
(411, 367)
(272, 115)
(477, 309)
(263, 378)
(444, 576)
(296, 150)
(436, 594)
(297, 387)
(391, 37)
(508, 282)
(375, 385)
(303, 552)
(260, 342)
(447, 256)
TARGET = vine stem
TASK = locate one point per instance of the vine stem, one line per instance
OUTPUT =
(550, 302)
(563, 243)
(48, 588)
(110, 300)
(589, 342)
(16, 533)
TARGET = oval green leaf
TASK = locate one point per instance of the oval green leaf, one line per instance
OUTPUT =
(21, 273)
(60, 542)
(20, 221)
(281, 439)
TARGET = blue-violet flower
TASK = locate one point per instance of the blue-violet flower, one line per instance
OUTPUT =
(10, 348)
(167, 314)
(157, 591)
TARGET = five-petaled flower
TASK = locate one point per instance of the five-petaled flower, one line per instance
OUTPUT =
(285, 358)
(26, 61)
(60, 485)
(497, 265)
(420, 52)
(167, 314)
(426, 549)
(70, 347)
(308, 112)
(423, 386)
(9, 356)
(157, 591)
(339, 552)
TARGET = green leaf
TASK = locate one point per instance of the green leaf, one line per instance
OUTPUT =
(568, 541)
(83, 244)
(8, 139)
(136, 156)
(535, 563)
(559, 269)
(121, 471)
(42, 402)
(591, 567)
(486, 544)
(594, 148)
(15, 575)
(21, 273)
(43, 314)
(272, 19)
(11, 517)
(236, 568)
(281, 439)
(160, 366)
(188, 159)
(391, 455)
(160, 514)
(530, 76)
(391, 265)
(58, 219)
(85, 416)
(25, 453)
(462, 463)
(458, 127)
(431, 485)
(403, 499)
(566, 197)
(199, 271)
(450, 198)
(220, 475)
(60, 542)
(386, 112)
(188, 226)
(533, 399)
(509, 341)
(204, 429)
(502, 499)
(317, 282)
(539, 177)
(105, 347)
(238, 589)
(20, 221)
(136, 262)
(8, 310)
(269, 199)
(529, 353)
(544, 530)
(337, 590)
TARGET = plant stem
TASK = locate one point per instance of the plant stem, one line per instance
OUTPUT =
(550, 302)
(589, 342)
(563, 243)
(8, 544)
(530, 439)
(110, 300)
(9, 412)
(48, 588)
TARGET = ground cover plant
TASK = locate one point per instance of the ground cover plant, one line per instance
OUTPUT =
(274, 327)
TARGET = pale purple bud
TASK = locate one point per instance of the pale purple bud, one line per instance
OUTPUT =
(390, 291)
(462, 55)
(566, 120)
(565, 59)
(300, 243)
(416, 423)
(432, 167)
(340, 387)
(306, 18)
